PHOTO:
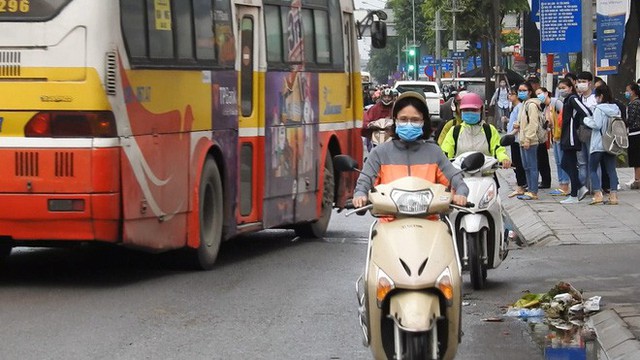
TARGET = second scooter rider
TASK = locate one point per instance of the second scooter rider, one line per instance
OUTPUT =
(409, 153)
(474, 134)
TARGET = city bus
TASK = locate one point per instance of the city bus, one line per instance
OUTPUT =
(174, 124)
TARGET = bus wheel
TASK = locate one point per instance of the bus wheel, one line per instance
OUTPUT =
(211, 217)
(318, 228)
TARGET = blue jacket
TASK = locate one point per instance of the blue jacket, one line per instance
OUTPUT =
(598, 122)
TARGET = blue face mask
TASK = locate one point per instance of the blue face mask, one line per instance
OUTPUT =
(627, 96)
(470, 118)
(408, 133)
(541, 97)
(523, 95)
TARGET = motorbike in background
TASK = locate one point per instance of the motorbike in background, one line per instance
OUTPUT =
(410, 294)
(380, 131)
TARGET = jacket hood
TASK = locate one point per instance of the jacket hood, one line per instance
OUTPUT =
(609, 109)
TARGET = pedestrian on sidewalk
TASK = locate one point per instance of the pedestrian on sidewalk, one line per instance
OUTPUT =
(633, 120)
(500, 100)
(516, 160)
(543, 149)
(569, 141)
(527, 125)
(604, 112)
(553, 109)
(584, 87)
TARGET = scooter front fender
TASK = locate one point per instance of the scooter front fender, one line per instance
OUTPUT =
(414, 311)
(472, 223)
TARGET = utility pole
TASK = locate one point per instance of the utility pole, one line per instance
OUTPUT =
(454, 9)
(587, 35)
(413, 15)
(497, 44)
(438, 48)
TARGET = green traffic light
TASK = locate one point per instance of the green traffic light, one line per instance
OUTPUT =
(412, 52)
(411, 67)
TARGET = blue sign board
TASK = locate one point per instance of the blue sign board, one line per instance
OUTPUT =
(472, 65)
(560, 26)
(560, 62)
(427, 59)
(610, 29)
(458, 55)
(535, 10)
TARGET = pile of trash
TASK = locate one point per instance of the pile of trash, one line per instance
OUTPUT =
(562, 303)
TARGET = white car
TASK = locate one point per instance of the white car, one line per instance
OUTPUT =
(431, 92)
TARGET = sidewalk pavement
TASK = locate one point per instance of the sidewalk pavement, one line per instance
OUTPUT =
(547, 222)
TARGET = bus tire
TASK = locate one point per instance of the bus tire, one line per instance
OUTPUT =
(318, 228)
(210, 203)
(5, 250)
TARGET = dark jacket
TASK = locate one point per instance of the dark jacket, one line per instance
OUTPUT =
(633, 116)
(573, 113)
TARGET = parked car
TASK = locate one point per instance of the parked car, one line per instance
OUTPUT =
(431, 92)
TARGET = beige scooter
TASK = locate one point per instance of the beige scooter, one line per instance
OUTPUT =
(410, 293)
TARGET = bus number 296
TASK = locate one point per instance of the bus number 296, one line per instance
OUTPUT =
(14, 6)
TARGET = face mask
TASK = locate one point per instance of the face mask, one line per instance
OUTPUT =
(523, 95)
(563, 93)
(408, 133)
(471, 118)
(627, 95)
(542, 97)
(582, 87)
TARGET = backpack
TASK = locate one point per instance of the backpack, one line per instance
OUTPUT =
(541, 131)
(614, 135)
(456, 133)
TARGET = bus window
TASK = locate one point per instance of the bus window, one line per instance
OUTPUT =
(323, 54)
(225, 42)
(307, 23)
(204, 29)
(246, 67)
(337, 45)
(184, 32)
(273, 29)
(160, 29)
(133, 25)
(30, 10)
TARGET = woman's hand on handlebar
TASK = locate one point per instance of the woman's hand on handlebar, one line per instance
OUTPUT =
(459, 200)
(360, 201)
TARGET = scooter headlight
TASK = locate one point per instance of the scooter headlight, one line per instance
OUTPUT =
(488, 196)
(412, 202)
(384, 285)
(444, 283)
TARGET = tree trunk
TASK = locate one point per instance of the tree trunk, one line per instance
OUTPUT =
(627, 67)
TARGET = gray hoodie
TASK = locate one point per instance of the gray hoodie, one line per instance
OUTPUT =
(598, 122)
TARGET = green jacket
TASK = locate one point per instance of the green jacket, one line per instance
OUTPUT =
(499, 152)
(448, 125)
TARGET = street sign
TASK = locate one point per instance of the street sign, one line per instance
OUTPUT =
(611, 16)
(560, 26)
(427, 59)
(458, 55)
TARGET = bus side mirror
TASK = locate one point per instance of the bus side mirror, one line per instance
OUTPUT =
(378, 34)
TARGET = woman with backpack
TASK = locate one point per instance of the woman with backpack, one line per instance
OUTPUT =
(527, 125)
(572, 112)
(606, 110)
(553, 110)
(633, 120)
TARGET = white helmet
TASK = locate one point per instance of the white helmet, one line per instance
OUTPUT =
(386, 97)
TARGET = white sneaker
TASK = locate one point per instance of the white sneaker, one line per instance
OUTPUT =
(582, 193)
(570, 200)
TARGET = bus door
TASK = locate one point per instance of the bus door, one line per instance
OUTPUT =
(251, 124)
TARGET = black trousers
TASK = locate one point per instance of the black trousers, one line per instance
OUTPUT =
(543, 165)
(516, 162)
(569, 164)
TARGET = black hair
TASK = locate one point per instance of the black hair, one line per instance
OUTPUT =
(571, 76)
(533, 80)
(529, 87)
(569, 83)
(421, 106)
(599, 79)
(635, 88)
(544, 90)
(605, 92)
(584, 75)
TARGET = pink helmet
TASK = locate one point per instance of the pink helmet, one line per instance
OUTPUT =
(471, 101)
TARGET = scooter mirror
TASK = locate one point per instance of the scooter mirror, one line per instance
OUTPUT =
(344, 163)
(473, 162)
(507, 140)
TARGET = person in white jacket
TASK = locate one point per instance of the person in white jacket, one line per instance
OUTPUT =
(604, 111)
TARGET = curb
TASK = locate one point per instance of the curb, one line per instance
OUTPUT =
(615, 339)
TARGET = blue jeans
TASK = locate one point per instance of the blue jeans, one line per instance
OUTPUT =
(609, 162)
(563, 177)
(583, 165)
(530, 164)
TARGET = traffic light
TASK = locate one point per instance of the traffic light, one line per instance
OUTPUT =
(411, 62)
(412, 52)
